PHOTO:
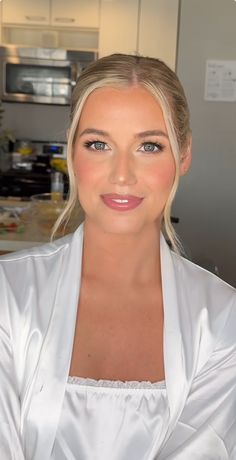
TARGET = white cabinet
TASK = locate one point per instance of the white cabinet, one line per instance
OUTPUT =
(26, 12)
(0, 23)
(147, 27)
(75, 13)
(158, 29)
(118, 31)
(65, 13)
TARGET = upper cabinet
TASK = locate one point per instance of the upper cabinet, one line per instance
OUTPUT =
(146, 27)
(69, 13)
(26, 12)
(75, 13)
(158, 29)
(0, 21)
(118, 26)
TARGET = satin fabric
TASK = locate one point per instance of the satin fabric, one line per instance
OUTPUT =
(39, 291)
(106, 420)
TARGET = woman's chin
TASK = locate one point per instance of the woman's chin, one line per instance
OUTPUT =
(119, 227)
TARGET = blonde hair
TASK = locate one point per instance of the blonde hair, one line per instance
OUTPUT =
(121, 70)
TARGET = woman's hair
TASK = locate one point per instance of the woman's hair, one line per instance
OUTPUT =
(121, 70)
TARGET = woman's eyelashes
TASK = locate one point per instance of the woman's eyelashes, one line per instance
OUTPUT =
(96, 145)
(146, 147)
(151, 147)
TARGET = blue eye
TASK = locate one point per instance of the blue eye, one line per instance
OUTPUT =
(151, 147)
(96, 145)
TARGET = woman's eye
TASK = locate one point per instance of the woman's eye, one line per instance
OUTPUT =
(96, 145)
(152, 147)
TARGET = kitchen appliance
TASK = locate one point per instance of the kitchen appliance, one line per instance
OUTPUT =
(22, 181)
(40, 75)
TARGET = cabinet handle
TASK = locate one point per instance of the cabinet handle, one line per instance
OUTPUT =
(67, 20)
(36, 18)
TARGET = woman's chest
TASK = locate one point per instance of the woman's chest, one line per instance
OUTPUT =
(119, 337)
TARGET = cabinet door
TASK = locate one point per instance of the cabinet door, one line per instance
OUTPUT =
(25, 11)
(158, 29)
(118, 27)
(75, 13)
(1, 23)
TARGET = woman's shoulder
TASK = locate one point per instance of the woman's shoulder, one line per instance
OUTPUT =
(38, 266)
(206, 300)
(205, 293)
(199, 276)
(44, 251)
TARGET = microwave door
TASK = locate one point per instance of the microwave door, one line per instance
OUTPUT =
(38, 81)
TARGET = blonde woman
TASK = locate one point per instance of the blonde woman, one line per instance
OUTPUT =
(112, 345)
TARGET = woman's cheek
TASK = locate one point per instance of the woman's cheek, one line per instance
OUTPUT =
(84, 171)
(163, 177)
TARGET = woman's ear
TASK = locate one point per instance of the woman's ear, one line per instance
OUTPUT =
(186, 158)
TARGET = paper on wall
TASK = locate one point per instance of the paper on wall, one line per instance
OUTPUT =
(220, 81)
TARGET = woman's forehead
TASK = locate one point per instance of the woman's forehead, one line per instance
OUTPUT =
(116, 102)
(113, 92)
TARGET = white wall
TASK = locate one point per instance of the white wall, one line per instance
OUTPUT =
(206, 201)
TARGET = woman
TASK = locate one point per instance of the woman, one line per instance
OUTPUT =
(112, 345)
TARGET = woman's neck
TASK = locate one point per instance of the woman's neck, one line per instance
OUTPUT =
(122, 258)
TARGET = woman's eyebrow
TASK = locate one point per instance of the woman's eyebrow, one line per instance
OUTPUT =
(99, 132)
(152, 132)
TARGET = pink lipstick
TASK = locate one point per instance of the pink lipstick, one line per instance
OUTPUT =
(121, 202)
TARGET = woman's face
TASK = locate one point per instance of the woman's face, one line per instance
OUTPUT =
(123, 161)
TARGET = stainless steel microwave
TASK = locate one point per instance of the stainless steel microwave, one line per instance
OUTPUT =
(40, 75)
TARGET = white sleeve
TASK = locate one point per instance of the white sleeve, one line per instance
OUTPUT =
(10, 441)
(233, 454)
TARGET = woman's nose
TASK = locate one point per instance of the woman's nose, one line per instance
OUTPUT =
(123, 170)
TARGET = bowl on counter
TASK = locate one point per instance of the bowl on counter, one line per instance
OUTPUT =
(44, 210)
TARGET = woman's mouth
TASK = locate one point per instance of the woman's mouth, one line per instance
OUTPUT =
(121, 202)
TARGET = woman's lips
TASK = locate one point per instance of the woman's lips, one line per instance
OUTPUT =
(121, 202)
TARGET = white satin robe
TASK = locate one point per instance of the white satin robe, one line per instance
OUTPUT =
(39, 292)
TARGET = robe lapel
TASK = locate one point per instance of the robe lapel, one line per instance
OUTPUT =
(177, 382)
(53, 368)
(174, 359)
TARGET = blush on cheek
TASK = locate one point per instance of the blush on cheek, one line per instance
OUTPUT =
(168, 176)
(164, 177)
(84, 172)
(81, 169)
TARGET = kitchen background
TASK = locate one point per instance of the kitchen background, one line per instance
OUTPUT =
(185, 34)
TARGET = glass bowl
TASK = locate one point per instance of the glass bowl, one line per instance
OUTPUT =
(45, 210)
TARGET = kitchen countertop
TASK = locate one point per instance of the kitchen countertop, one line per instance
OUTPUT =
(31, 236)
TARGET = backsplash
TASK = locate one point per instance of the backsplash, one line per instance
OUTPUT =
(37, 122)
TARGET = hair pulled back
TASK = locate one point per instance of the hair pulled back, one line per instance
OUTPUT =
(122, 70)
